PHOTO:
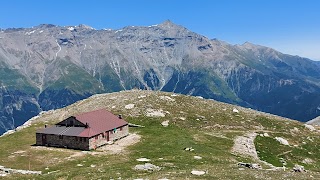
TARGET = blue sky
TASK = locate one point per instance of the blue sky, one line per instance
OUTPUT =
(290, 26)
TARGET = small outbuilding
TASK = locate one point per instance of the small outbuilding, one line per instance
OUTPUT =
(85, 131)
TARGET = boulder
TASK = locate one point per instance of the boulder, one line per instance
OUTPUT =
(310, 127)
(143, 160)
(165, 123)
(307, 161)
(129, 106)
(198, 173)
(282, 141)
(235, 110)
(188, 149)
(197, 157)
(167, 98)
(265, 134)
(298, 168)
(147, 167)
(249, 165)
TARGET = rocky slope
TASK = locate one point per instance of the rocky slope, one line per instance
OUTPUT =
(182, 136)
(47, 67)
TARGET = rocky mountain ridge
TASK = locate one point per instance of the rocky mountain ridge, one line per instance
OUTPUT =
(48, 66)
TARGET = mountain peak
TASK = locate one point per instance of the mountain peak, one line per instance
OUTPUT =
(85, 26)
(168, 23)
(46, 26)
(248, 44)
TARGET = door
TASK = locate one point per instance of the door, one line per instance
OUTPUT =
(108, 136)
(44, 139)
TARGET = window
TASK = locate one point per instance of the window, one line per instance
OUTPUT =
(76, 138)
(60, 137)
(96, 137)
(102, 135)
(121, 129)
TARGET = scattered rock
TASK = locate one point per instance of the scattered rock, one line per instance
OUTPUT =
(310, 127)
(282, 141)
(198, 173)
(155, 113)
(79, 165)
(174, 95)
(310, 139)
(265, 134)
(283, 161)
(188, 149)
(92, 165)
(129, 106)
(134, 125)
(295, 129)
(166, 98)
(197, 157)
(165, 123)
(4, 170)
(235, 110)
(298, 168)
(18, 152)
(143, 160)
(307, 161)
(147, 167)
(142, 96)
(249, 165)
(182, 118)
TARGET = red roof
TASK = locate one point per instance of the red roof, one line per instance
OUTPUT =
(99, 121)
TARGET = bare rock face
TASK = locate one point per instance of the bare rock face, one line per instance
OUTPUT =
(244, 145)
(48, 67)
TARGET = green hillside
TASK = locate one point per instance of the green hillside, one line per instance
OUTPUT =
(208, 127)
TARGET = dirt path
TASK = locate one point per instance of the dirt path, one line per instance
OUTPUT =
(120, 145)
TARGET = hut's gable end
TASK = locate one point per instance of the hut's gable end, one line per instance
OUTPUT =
(71, 121)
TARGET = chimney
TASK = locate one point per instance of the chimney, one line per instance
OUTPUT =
(120, 116)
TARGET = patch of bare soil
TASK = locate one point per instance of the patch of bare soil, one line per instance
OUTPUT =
(120, 145)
